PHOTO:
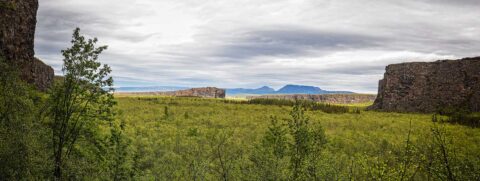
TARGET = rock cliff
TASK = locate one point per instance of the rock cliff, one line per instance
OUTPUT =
(18, 19)
(325, 98)
(206, 92)
(430, 87)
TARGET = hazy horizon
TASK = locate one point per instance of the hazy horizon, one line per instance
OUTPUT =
(248, 44)
(161, 88)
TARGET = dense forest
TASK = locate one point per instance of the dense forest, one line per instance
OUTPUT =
(78, 130)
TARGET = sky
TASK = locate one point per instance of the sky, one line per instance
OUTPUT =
(335, 45)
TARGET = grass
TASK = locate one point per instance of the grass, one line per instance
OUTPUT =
(362, 105)
(161, 130)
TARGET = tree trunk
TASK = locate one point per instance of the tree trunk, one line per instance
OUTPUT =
(58, 164)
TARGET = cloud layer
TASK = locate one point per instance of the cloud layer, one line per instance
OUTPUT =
(336, 45)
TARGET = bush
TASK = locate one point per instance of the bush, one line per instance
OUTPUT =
(472, 120)
(22, 152)
(459, 116)
(307, 104)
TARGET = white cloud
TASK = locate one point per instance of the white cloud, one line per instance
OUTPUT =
(339, 45)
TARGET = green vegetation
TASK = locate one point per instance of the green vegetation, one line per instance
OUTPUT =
(212, 139)
(20, 139)
(310, 105)
(68, 133)
(460, 116)
(8, 5)
(78, 104)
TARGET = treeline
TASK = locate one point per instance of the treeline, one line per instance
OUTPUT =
(307, 104)
(458, 115)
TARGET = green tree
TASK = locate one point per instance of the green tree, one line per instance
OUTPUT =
(79, 103)
(223, 153)
(269, 157)
(300, 147)
(120, 155)
(318, 142)
(307, 145)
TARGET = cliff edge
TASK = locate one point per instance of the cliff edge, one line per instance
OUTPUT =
(430, 87)
(18, 19)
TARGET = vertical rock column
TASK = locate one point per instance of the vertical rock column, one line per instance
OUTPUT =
(18, 19)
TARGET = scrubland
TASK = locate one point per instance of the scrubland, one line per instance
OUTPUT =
(213, 139)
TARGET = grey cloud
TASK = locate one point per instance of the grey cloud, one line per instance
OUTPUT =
(291, 41)
(56, 24)
(243, 48)
(352, 70)
(455, 2)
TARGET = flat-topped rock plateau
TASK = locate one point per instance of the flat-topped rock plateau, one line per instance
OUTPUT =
(430, 86)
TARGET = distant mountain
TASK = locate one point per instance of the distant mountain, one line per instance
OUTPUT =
(288, 89)
(261, 90)
(150, 89)
(303, 89)
(300, 89)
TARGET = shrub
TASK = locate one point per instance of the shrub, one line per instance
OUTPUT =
(459, 116)
(8, 5)
(307, 104)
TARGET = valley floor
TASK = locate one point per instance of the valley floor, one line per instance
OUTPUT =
(209, 139)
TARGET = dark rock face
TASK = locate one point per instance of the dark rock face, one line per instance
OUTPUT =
(206, 92)
(18, 19)
(430, 87)
(325, 98)
(39, 74)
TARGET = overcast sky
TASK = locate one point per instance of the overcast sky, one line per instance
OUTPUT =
(335, 45)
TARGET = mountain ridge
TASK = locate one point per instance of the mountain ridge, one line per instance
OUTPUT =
(287, 89)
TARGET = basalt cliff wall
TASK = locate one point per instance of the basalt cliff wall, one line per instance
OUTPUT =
(430, 87)
(205, 92)
(18, 19)
(325, 98)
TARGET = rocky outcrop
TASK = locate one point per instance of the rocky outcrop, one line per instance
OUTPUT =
(39, 74)
(18, 19)
(325, 98)
(205, 92)
(430, 87)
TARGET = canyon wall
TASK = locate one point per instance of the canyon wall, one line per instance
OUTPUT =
(430, 87)
(205, 92)
(325, 98)
(18, 19)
